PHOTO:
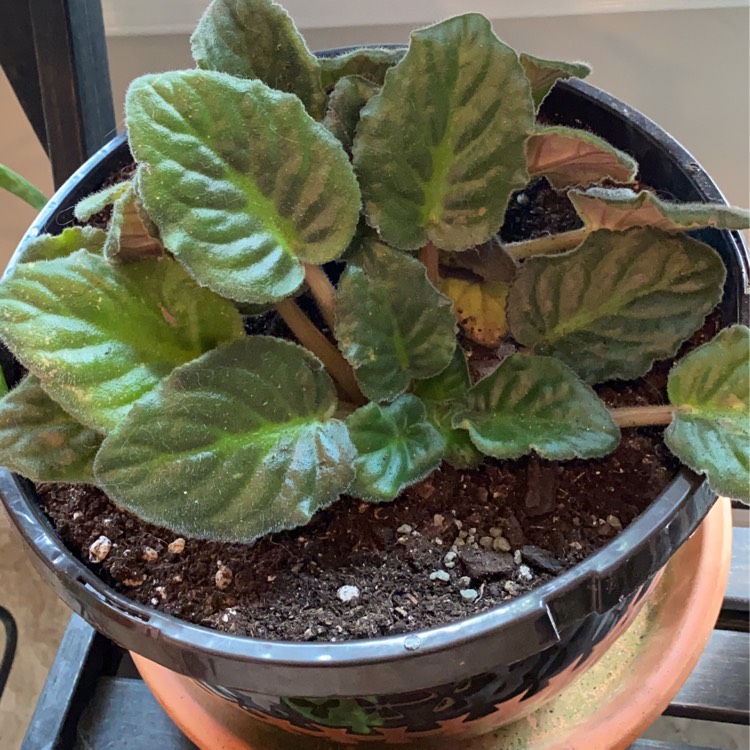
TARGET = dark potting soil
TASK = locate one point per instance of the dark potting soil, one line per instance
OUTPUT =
(458, 543)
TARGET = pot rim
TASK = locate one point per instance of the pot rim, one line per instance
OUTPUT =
(516, 629)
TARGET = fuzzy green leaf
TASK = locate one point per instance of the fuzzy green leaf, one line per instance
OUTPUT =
(258, 39)
(243, 185)
(128, 236)
(19, 186)
(479, 307)
(568, 156)
(372, 64)
(442, 169)
(443, 396)
(344, 105)
(51, 246)
(232, 446)
(543, 74)
(100, 336)
(537, 404)
(41, 441)
(392, 325)
(710, 431)
(96, 202)
(618, 302)
(622, 208)
(396, 447)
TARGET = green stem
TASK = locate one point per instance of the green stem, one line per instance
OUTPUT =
(323, 292)
(21, 188)
(428, 255)
(311, 338)
(550, 243)
(643, 416)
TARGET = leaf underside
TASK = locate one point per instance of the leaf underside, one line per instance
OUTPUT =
(99, 336)
(479, 307)
(617, 303)
(246, 187)
(392, 325)
(622, 208)
(543, 74)
(344, 105)
(532, 403)
(41, 441)
(396, 447)
(443, 168)
(710, 431)
(233, 446)
(51, 246)
(258, 39)
(568, 156)
(369, 63)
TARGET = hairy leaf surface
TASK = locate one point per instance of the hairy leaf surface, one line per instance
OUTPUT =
(232, 446)
(710, 431)
(392, 325)
(396, 447)
(258, 39)
(243, 185)
(41, 441)
(443, 396)
(344, 105)
(543, 74)
(99, 336)
(441, 148)
(537, 404)
(371, 64)
(479, 307)
(96, 202)
(622, 208)
(618, 302)
(568, 156)
(51, 246)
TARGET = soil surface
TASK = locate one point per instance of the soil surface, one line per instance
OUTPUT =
(458, 543)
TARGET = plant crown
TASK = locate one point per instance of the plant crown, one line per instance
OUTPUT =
(266, 172)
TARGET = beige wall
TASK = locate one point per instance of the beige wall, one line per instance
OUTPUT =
(688, 70)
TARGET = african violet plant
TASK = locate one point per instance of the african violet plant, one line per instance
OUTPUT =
(263, 165)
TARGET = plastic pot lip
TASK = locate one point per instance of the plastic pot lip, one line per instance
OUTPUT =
(541, 613)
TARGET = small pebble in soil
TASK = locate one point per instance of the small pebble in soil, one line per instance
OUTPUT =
(495, 532)
(77, 515)
(541, 559)
(348, 594)
(223, 577)
(177, 546)
(469, 595)
(404, 529)
(440, 575)
(133, 583)
(606, 530)
(464, 582)
(450, 559)
(511, 588)
(99, 549)
(501, 544)
(438, 520)
(149, 554)
(517, 557)
(486, 542)
(524, 573)
(161, 591)
(614, 522)
(484, 563)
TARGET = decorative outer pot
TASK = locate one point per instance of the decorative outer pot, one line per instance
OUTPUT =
(460, 679)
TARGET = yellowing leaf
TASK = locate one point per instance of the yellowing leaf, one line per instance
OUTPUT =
(479, 308)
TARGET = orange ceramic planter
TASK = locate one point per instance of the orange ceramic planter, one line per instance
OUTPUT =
(605, 708)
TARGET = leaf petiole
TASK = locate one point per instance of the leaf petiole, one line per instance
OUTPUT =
(548, 244)
(323, 292)
(643, 416)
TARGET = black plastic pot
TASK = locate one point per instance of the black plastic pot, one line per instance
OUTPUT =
(451, 678)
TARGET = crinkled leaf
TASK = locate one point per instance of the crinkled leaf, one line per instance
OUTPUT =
(441, 148)
(443, 395)
(568, 156)
(344, 105)
(96, 202)
(41, 441)
(618, 302)
(392, 325)
(51, 246)
(543, 74)
(232, 446)
(243, 185)
(537, 404)
(370, 63)
(490, 261)
(622, 208)
(99, 336)
(479, 307)
(396, 447)
(258, 39)
(710, 431)
(19, 186)
(128, 236)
